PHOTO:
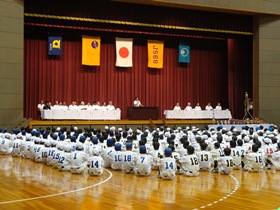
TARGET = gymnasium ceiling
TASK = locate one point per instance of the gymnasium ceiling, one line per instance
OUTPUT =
(260, 6)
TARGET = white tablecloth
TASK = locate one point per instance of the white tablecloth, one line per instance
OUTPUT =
(223, 114)
(171, 114)
(81, 114)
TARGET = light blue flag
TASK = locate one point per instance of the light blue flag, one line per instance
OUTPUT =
(55, 45)
(184, 53)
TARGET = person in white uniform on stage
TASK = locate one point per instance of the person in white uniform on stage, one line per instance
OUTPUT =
(82, 106)
(41, 106)
(209, 107)
(218, 107)
(73, 106)
(188, 107)
(104, 106)
(110, 106)
(197, 107)
(64, 106)
(96, 105)
(55, 106)
(177, 107)
(137, 102)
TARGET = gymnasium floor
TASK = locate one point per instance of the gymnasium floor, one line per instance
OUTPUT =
(29, 185)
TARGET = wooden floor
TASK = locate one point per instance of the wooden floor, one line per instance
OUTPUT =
(29, 185)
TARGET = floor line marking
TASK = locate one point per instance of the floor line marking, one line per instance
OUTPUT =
(62, 193)
(237, 185)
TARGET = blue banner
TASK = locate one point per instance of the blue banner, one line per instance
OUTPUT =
(55, 45)
(184, 53)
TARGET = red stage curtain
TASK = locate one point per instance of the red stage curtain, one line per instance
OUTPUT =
(219, 71)
(65, 79)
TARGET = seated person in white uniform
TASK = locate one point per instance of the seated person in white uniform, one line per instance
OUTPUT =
(218, 107)
(88, 106)
(73, 106)
(96, 105)
(95, 163)
(188, 107)
(167, 165)
(208, 107)
(143, 162)
(224, 164)
(177, 107)
(189, 163)
(64, 106)
(55, 106)
(197, 107)
(104, 106)
(60, 106)
(110, 106)
(82, 106)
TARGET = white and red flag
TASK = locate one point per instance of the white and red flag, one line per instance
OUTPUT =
(124, 52)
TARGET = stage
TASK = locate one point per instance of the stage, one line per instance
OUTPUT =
(117, 123)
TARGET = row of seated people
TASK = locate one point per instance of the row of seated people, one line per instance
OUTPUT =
(96, 106)
(168, 151)
(189, 107)
(73, 106)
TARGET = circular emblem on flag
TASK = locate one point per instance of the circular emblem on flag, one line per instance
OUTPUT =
(184, 52)
(123, 52)
(94, 44)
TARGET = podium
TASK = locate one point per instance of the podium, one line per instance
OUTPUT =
(143, 113)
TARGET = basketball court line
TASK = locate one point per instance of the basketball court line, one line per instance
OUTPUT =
(237, 185)
(57, 194)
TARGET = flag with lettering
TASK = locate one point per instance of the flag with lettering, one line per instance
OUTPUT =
(155, 54)
(55, 45)
(91, 50)
(124, 52)
(184, 53)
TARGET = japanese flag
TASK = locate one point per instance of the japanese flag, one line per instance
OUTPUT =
(124, 52)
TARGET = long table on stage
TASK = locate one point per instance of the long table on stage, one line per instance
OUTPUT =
(81, 114)
(143, 113)
(203, 114)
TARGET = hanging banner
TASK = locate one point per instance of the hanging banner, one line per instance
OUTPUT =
(55, 45)
(124, 52)
(184, 53)
(91, 50)
(155, 54)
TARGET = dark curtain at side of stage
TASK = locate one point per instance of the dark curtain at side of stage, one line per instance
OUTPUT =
(203, 80)
(239, 74)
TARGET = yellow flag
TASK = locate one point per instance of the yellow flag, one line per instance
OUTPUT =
(155, 54)
(91, 50)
